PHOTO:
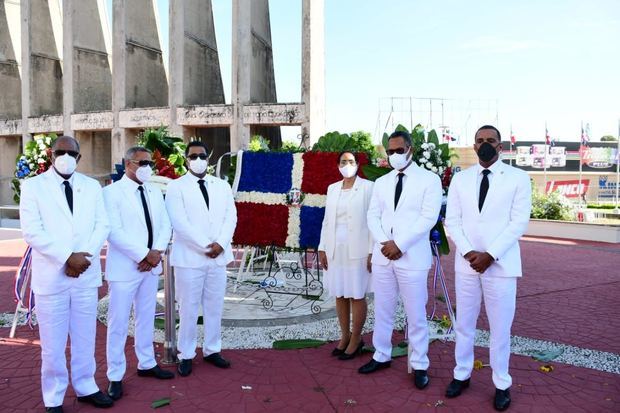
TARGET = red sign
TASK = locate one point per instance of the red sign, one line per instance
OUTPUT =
(570, 189)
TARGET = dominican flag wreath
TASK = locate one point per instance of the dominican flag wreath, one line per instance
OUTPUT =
(280, 197)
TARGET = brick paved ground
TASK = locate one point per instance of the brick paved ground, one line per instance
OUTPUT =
(569, 294)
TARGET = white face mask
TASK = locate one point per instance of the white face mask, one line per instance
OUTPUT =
(348, 171)
(144, 173)
(198, 166)
(398, 160)
(65, 164)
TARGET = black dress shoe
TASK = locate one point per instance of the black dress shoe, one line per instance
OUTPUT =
(373, 366)
(337, 352)
(115, 390)
(217, 360)
(502, 399)
(456, 387)
(97, 399)
(55, 409)
(420, 379)
(185, 367)
(156, 372)
(347, 356)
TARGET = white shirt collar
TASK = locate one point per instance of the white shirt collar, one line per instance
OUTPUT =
(493, 168)
(60, 179)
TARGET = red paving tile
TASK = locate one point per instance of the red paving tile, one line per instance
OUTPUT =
(565, 295)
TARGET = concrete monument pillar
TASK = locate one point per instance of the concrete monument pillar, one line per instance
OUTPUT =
(313, 70)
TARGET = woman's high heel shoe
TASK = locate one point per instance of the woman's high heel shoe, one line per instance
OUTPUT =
(358, 350)
(337, 352)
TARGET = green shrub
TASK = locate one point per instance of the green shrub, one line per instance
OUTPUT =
(552, 206)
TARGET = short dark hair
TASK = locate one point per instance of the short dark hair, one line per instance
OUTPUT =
(133, 150)
(352, 153)
(63, 138)
(401, 134)
(196, 143)
(491, 127)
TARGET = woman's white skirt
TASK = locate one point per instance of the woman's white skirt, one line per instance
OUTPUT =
(346, 277)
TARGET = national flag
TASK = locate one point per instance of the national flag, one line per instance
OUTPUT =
(447, 135)
(547, 137)
(513, 139)
(280, 197)
(585, 139)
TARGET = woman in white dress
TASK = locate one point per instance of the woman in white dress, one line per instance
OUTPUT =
(345, 251)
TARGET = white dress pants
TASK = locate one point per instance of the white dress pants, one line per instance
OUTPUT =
(388, 282)
(499, 301)
(204, 286)
(72, 313)
(142, 293)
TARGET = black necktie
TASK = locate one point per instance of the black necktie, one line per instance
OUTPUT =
(203, 189)
(484, 188)
(69, 194)
(147, 216)
(399, 189)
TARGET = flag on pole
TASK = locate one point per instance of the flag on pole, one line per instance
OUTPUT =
(447, 135)
(547, 137)
(585, 139)
(513, 139)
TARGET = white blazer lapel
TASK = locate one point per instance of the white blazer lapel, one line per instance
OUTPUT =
(407, 186)
(58, 193)
(494, 187)
(136, 206)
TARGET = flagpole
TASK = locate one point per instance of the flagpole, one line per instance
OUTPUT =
(618, 170)
(511, 153)
(581, 149)
(545, 160)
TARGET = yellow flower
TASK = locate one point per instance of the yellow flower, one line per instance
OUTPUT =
(546, 368)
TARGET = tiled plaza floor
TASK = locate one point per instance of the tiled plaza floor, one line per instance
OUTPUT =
(569, 294)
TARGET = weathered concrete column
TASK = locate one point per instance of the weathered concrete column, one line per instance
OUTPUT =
(10, 82)
(313, 69)
(139, 79)
(87, 78)
(195, 77)
(241, 71)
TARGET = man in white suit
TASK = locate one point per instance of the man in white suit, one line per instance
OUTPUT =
(403, 209)
(139, 234)
(63, 219)
(488, 211)
(203, 215)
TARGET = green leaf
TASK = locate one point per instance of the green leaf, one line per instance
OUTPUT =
(385, 139)
(545, 355)
(160, 403)
(297, 344)
(397, 351)
(401, 128)
(432, 137)
(372, 172)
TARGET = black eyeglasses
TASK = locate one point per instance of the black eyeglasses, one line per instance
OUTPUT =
(397, 150)
(60, 152)
(144, 162)
(195, 156)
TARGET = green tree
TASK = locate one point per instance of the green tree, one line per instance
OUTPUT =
(609, 138)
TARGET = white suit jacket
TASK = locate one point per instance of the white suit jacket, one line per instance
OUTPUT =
(497, 228)
(360, 239)
(195, 226)
(409, 225)
(128, 239)
(54, 233)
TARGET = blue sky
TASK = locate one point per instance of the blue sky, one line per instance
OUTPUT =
(520, 63)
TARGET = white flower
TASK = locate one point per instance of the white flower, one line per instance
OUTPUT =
(422, 161)
(42, 146)
(425, 145)
(448, 164)
(441, 170)
(40, 160)
(428, 165)
(431, 145)
(434, 169)
(426, 154)
(438, 152)
(31, 166)
(48, 140)
(439, 161)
